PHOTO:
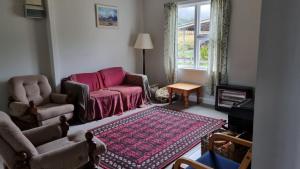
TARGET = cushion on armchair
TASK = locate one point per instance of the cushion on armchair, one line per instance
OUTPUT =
(51, 110)
(113, 76)
(30, 88)
(216, 161)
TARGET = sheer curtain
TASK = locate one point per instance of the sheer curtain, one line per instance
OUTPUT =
(170, 41)
(218, 43)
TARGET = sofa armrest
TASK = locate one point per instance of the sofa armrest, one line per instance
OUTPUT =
(78, 95)
(59, 98)
(18, 109)
(139, 80)
(45, 134)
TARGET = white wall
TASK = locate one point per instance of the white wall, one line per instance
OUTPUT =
(23, 46)
(243, 46)
(276, 121)
(243, 42)
(82, 47)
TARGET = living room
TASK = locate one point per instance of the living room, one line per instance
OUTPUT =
(67, 39)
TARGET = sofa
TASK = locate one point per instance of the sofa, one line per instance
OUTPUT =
(48, 147)
(106, 92)
(32, 102)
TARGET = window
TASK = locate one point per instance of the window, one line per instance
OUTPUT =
(192, 31)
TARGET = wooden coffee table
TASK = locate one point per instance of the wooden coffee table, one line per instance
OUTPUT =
(185, 89)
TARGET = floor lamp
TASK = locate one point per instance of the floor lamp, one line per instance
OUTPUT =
(143, 42)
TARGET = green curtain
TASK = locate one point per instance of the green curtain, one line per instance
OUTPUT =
(218, 43)
(170, 41)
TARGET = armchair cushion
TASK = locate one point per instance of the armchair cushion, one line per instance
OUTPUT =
(216, 161)
(30, 88)
(113, 76)
(43, 134)
(73, 149)
(18, 109)
(51, 110)
(59, 98)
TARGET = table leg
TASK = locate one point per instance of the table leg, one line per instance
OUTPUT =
(186, 100)
(198, 95)
(170, 95)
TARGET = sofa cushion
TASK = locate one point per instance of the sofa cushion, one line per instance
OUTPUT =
(51, 110)
(107, 102)
(112, 76)
(132, 96)
(93, 80)
(126, 90)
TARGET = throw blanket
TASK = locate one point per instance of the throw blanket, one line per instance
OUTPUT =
(85, 104)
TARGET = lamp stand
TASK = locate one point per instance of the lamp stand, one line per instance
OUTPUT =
(144, 65)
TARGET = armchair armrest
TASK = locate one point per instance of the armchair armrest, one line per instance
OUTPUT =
(139, 80)
(59, 98)
(220, 136)
(191, 163)
(18, 109)
(44, 134)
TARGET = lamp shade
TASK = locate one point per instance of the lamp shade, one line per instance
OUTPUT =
(143, 41)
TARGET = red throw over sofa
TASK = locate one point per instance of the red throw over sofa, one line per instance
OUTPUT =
(105, 93)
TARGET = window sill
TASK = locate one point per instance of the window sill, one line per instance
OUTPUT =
(193, 69)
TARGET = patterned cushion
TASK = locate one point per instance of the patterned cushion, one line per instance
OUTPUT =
(162, 95)
(216, 161)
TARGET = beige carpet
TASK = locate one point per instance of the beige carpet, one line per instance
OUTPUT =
(194, 108)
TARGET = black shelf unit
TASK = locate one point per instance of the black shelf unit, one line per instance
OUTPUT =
(240, 114)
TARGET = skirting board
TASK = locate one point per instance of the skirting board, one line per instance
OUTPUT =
(210, 100)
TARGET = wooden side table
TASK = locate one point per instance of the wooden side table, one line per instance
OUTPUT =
(184, 89)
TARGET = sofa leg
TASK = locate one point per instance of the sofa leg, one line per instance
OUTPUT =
(93, 157)
(22, 161)
(64, 125)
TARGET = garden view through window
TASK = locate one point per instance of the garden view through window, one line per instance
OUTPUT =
(192, 31)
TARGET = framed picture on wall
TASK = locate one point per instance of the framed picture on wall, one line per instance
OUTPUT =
(107, 16)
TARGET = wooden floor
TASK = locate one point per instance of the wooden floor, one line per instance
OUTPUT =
(194, 108)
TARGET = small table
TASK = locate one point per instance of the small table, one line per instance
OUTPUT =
(185, 89)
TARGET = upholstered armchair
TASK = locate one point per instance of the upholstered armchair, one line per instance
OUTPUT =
(47, 147)
(33, 104)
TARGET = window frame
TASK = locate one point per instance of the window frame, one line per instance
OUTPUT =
(197, 34)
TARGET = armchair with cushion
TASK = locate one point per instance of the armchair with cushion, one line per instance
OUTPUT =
(47, 147)
(33, 104)
(212, 160)
(105, 93)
